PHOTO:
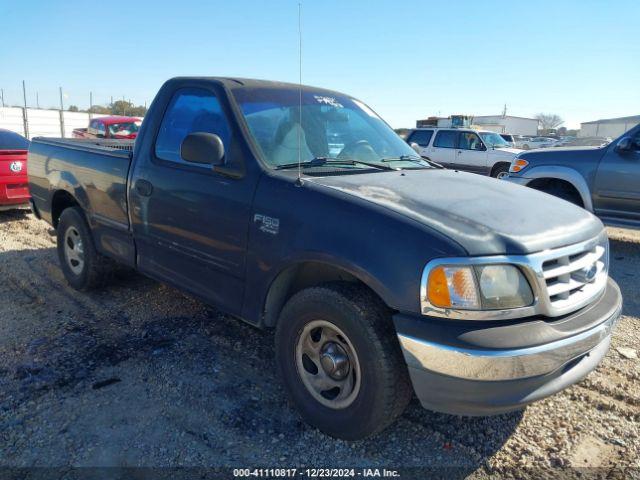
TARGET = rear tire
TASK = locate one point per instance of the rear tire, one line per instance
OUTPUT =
(83, 267)
(351, 320)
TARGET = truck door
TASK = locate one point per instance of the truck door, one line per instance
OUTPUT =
(190, 223)
(471, 154)
(617, 184)
(422, 138)
(443, 149)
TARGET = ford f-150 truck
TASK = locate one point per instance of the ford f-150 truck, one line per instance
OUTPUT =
(299, 209)
(604, 180)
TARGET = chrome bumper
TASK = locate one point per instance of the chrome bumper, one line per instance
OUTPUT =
(464, 368)
(492, 365)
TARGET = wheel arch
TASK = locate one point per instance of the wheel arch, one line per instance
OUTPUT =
(565, 174)
(302, 274)
(61, 200)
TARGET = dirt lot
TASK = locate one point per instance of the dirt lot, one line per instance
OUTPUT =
(141, 375)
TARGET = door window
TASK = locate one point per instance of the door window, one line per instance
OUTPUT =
(445, 139)
(421, 137)
(469, 141)
(190, 110)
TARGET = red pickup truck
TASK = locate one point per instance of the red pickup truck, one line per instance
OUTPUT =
(14, 190)
(110, 127)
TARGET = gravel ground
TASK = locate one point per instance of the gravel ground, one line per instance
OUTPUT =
(141, 375)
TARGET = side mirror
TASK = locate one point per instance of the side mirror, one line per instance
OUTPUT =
(624, 145)
(415, 146)
(203, 148)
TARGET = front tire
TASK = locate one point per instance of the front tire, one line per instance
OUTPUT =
(501, 171)
(83, 267)
(338, 354)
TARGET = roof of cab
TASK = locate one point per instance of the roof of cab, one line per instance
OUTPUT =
(238, 83)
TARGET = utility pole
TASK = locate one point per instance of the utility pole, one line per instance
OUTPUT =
(37, 101)
(124, 108)
(2, 95)
(90, 100)
(61, 115)
(25, 120)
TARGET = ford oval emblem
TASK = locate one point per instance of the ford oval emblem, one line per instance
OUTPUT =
(16, 167)
(586, 274)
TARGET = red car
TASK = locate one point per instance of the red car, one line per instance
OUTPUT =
(14, 189)
(110, 127)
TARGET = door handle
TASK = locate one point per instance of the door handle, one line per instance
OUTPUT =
(144, 188)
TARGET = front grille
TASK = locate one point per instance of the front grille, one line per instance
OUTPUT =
(575, 275)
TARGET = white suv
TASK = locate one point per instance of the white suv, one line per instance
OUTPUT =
(476, 151)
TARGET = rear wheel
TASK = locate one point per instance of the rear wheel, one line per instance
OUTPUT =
(83, 267)
(340, 360)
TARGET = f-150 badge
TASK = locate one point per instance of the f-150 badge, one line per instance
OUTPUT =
(267, 224)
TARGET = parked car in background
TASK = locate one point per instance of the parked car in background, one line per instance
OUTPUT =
(538, 142)
(382, 274)
(520, 139)
(475, 151)
(584, 142)
(113, 127)
(604, 180)
(510, 139)
(14, 188)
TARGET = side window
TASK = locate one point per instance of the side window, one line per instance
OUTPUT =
(469, 141)
(421, 137)
(190, 110)
(100, 128)
(445, 139)
(636, 141)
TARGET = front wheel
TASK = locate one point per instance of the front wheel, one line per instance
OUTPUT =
(340, 360)
(501, 171)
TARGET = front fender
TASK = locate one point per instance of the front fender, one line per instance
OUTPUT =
(561, 173)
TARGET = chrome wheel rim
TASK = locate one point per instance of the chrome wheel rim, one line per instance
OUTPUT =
(502, 175)
(328, 364)
(73, 250)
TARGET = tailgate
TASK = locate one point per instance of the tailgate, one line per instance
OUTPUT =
(13, 163)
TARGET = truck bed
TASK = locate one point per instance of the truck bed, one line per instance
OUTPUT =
(94, 173)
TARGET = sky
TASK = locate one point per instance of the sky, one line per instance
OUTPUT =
(407, 60)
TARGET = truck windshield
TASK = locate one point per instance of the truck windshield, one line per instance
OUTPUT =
(494, 140)
(124, 128)
(328, 126)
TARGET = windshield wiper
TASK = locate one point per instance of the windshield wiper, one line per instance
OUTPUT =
(324, 161)
(412, 159)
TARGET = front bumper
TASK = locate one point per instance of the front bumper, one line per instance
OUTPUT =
(468, 368)
(518, 180)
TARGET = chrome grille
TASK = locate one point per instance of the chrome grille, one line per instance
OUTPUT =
(571, 278)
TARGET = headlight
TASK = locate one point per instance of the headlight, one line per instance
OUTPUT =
(481, 287)
(518, 165)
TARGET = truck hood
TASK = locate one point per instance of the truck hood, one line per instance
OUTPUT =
(562, 156)
(510, 151)
(484, 215)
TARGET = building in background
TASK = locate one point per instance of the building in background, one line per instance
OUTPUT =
(494, 123)
(608, 127)
(507, 124)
